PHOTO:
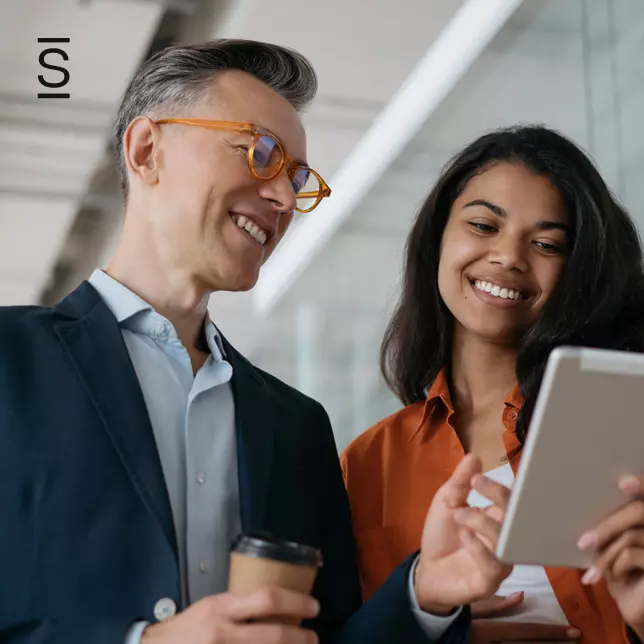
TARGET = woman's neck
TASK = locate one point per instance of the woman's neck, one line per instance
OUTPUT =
(481, 373)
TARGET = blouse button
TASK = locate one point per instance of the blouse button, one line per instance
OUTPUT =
(511, 414)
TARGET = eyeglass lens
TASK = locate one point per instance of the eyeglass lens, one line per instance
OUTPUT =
(266, 159)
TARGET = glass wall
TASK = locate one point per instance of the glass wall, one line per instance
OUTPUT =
(577, 66)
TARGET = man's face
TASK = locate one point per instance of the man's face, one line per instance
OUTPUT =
(205, 185)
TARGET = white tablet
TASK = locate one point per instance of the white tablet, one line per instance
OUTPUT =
(587, 430)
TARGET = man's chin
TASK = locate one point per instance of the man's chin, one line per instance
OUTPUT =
(241, 283)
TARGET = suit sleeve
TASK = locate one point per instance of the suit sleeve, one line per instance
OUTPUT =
(388, 616)
(98, 630)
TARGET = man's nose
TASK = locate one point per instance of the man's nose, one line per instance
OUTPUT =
(279, 191)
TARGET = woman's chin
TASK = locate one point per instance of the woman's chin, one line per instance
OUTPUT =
(494, 334)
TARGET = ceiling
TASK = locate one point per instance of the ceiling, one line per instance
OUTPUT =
(575, 65)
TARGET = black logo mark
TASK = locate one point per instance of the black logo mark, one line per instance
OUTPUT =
(43, 63)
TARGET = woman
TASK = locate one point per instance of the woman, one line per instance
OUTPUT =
(519, 248)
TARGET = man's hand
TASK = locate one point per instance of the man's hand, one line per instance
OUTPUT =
(224, 619)
(457, 563)
(616, 548)
(487, 631)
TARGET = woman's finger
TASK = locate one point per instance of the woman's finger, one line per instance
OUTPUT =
(628, 517)
(629, 560)
(632, 484)
(605, 562)
(493, 631)
(496, 605)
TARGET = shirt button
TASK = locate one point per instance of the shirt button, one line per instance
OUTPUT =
(164, 609)
(158, 330)
(201, 478)
(203, 567)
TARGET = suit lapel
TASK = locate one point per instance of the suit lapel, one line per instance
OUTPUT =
(95, 345)
(253, 417)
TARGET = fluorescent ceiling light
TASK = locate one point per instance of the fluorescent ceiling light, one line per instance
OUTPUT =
(458, 45)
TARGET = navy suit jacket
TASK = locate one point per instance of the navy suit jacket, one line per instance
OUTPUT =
(87, 544)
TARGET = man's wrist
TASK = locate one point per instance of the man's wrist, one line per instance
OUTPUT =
(439, 611)
(426, 604)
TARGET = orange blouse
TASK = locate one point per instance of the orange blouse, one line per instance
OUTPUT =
(392, 472)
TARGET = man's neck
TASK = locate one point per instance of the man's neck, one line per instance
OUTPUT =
(177, 298)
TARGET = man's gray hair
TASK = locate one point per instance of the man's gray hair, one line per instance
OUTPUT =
(179, 77)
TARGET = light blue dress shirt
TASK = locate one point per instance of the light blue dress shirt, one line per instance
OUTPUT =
(193, 420)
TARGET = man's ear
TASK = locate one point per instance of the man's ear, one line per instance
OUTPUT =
(141, 151)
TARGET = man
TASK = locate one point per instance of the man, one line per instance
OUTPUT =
(137, 443)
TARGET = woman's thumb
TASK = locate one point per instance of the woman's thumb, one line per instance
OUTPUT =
(496, 605)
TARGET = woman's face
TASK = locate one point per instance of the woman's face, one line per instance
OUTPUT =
(502, 252)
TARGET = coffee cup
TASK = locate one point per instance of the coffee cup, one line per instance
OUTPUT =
(258, 560)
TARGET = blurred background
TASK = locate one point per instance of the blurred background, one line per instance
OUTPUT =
(403, 85)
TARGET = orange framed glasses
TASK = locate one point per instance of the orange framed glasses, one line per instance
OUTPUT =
(267, 157)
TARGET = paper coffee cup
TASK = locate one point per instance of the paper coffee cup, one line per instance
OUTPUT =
(260, 560)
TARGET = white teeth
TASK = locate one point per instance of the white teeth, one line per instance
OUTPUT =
(497, 291)
(251, 228)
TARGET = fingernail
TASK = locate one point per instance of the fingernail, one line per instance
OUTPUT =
(516, 595)
(586, 542)
(573, 632)
(315, 607)
(630, 484)
(591, 576)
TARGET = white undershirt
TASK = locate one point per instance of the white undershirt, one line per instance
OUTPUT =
(540, 604)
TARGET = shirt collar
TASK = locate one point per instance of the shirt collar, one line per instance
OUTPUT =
(515, 399)
(439, 395)
(125, 305)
